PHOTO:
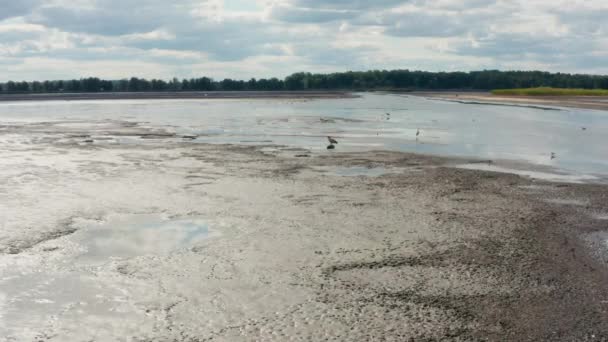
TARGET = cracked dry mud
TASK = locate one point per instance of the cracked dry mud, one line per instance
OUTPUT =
(295, 251)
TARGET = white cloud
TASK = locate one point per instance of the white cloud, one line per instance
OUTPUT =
(10, 9)
(264, 38)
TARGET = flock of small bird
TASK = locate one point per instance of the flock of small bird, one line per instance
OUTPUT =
(333, 142)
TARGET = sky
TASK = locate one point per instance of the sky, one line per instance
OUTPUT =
(113, 39)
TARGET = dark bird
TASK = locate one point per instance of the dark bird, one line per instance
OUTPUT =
(332, 140)
(553, 155)
(584, 128)
(417, 132)
(331, 147)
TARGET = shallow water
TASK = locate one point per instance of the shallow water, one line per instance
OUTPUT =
(33, 295)
(137, 235)
(446, 128)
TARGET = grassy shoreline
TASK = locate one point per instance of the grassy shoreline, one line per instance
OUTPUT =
(547, 91)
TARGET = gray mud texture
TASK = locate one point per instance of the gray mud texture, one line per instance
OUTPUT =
(296, 249)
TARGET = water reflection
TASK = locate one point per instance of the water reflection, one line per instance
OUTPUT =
(447, 128)
(139, 235)
(34, 296)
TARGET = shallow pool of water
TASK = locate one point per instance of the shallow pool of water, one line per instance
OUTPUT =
(136, 235)
(84, 281)
(446, 128)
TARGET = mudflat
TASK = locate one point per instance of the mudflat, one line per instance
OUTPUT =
(587, 102)
(273, 243)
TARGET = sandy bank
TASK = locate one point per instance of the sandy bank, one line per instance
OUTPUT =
(377, 246)
(177, 95)
(587, 102)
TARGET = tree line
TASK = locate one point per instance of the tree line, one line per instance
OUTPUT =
(360, 80)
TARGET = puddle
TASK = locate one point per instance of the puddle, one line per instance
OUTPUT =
(34, 301)
(77, 283)
(355, 171)
(139, 235)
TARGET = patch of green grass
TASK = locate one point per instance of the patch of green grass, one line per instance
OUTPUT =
(546, 91)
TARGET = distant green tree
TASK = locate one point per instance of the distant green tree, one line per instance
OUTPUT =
(139, 84)
(158, 85)
(174, 85)
(23, 87)
(231, 85)
(120, 85)
(37, 87)
(185, 85)
(359, 80)
(11, 87)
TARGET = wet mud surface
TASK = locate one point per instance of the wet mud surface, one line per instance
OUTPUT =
(541, 102)
(141, 235)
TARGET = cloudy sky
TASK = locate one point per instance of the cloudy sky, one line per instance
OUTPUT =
(59, 39)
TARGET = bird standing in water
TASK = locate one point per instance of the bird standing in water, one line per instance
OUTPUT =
(332, 141)
(417, 133)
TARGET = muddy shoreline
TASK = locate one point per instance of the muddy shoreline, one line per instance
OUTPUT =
(198, 95)
(539, 102)
(312, 248)
(586, 102)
